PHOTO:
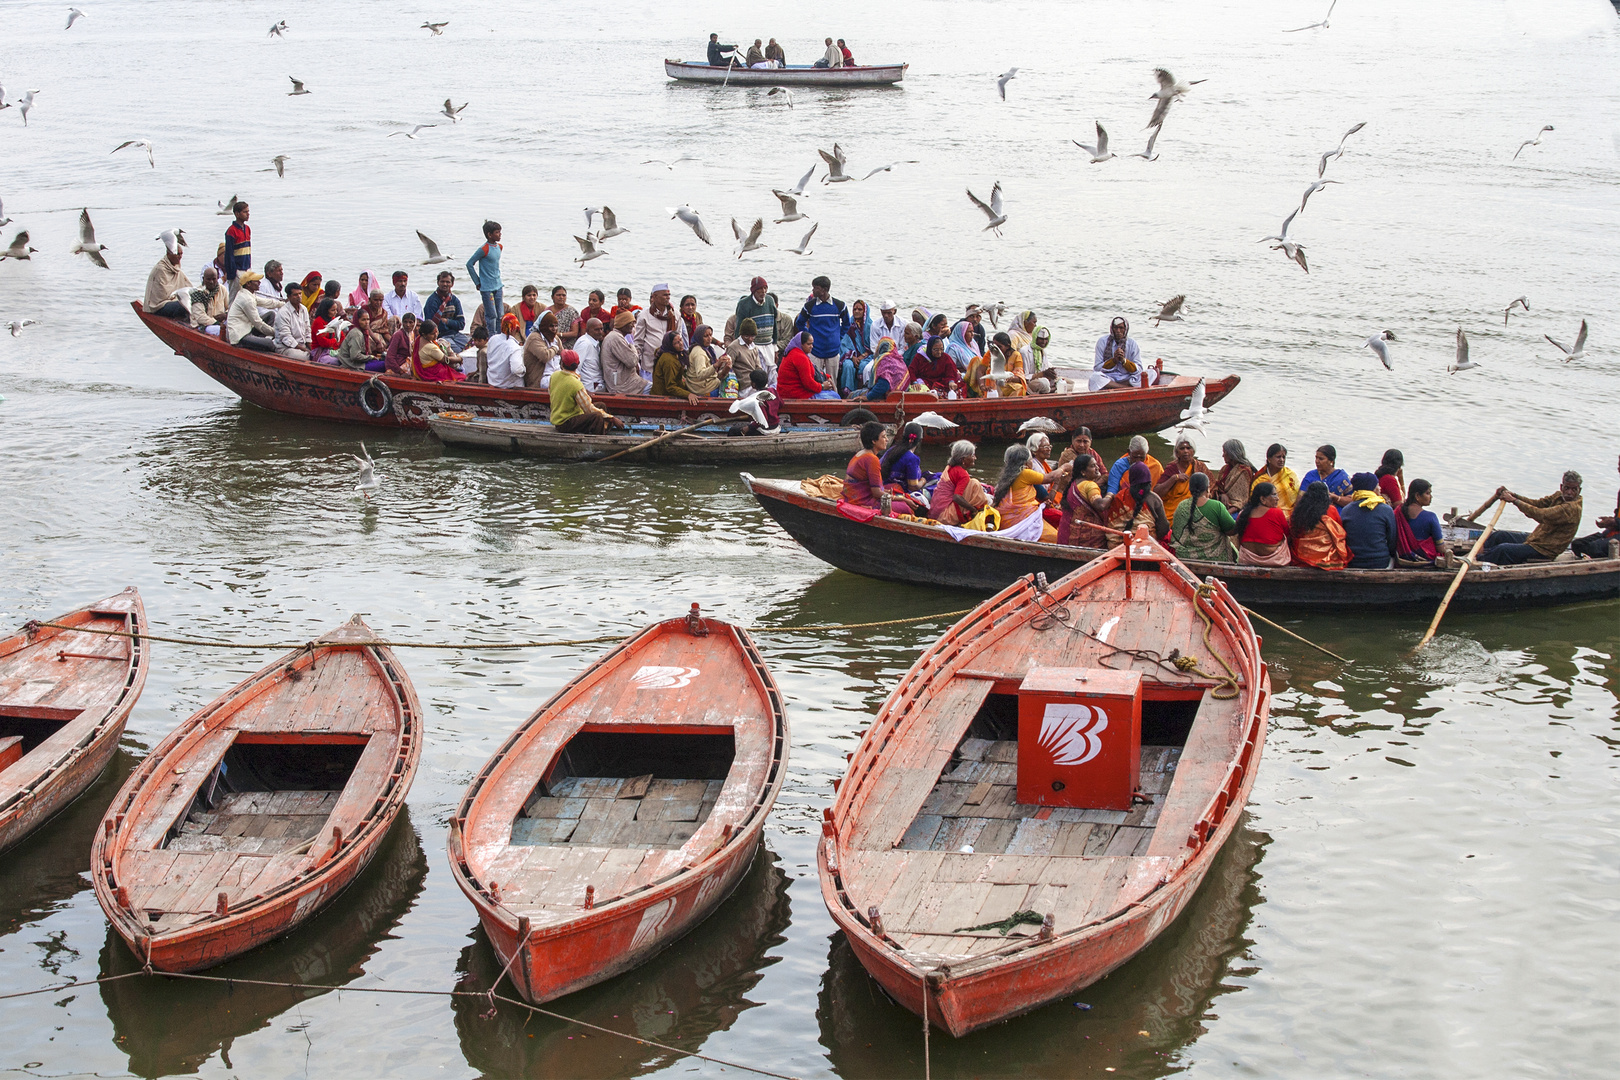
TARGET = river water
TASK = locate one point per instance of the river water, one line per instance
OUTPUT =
(1425, 884)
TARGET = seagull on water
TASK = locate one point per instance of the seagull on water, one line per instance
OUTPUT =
(1380, 347)
(1193, 415)
(1463, 363)
(1315, 186)
(277, 29)
(1321, 166)
(1170, 310)
(798, 189)
(74, 15)
(298, 88)
(144, 144)
(786, 94)
(749, 241)
(1148, 154)
(1323, 24)
(790, 208)
(411, 134)
(19, 248)
(87, 241)
(366, 482)
(804, 245)
(1579, 351)
(16, 325)
(588, 249)
(26, 104)
(280, 162)
(997, 216)
(1521, 302)
(1003, 79)
(436, 27)
(1100, 152)
(434, 255)
(452, 111)
(1531, 142)
(610, 225)
(690, 217)
(1170, 88)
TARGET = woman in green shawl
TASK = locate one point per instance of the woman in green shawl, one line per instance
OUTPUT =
(1202, 525)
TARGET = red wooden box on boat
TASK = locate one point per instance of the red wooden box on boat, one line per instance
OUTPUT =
(65, 695)
(254, 814)
(1079, 737)
(575, 841)
(931, 867)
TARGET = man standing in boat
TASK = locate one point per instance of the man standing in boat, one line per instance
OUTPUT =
(760, 306)
(827, 321)
(717, 51)
(237, 258)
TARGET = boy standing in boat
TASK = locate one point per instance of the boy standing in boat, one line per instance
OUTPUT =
(827, 321)
(484, 267)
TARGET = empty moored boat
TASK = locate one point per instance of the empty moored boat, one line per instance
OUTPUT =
(252, 815)
(538, 439)
(65, 696)
(1045, 789)
(625, 809)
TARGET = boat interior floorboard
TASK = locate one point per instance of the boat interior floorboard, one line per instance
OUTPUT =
(975, 805)
(256, 822)
(617, 812)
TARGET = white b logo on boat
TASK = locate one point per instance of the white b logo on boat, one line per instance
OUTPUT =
(1072, 733)
(662, 678)
(652, 922)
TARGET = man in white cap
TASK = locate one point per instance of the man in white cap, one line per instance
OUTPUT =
(652, 324)
(165, 280)
(888, 324)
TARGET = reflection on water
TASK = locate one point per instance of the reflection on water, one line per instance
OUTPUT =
(688, 992)
(175, 1025)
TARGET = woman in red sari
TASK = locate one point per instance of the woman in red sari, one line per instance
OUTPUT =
(1392, 477)
(1262, 529)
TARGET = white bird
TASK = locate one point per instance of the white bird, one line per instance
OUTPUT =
(278, 28)
(411, 134)
(1003, 79)
(790, 208)
(1283, 234)
(17, 325)
(1315, 186)
(1148, 154)
(798, 189)
(752, 405)
(87, 241)
(225, 208)
(690, 217)
(4, 104)
(932, 420)
(610, 225)
(298, 87)
(19, 248)
(74, 15)
(993, 311)
(434, 255)
(804, 245)
(669, 164)
(1380, 347)
(835, 165)
(1521, 302)
(749, 241)
(1321, 166)
(144, 144)
(436, 27)
(1323, 24)
(1044, 424)
(4, 221)
(173, 239)
(280, 162)
(452, 111)
(1289, 248)
(784, 91)
(1193, 415)
(590, 217)
(366, 482)
(1100, 152)
(1170, 310)
(1169, 89)
(1579, 351)
(889, 167)
(588, 249)
(26, 104)
(997, 216)
(1463, 363)
(1531, 142)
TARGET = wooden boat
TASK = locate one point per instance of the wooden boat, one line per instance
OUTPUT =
(927, 555)
(538, 439)
(336, 393)
(1039, 798)
(625, 809)
(251, 816)
(64, 698)
(695, 71)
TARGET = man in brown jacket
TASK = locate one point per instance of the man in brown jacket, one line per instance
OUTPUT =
(1557, 517)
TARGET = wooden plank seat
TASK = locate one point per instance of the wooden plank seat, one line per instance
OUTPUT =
(257, 822)
(612, 811)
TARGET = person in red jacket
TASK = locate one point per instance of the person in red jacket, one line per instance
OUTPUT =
(796, 378)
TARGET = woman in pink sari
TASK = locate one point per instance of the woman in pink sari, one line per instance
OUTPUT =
(361, 295)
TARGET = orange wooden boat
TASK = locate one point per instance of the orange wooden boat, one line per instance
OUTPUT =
(252, 815)
(1045, 789)
(64, 698)
(625, 809)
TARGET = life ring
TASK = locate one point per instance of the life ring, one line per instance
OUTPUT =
(386, 402)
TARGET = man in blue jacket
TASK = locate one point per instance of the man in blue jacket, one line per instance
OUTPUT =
(484, 267)
(827, 321)
(1369, 525)
(443, 309)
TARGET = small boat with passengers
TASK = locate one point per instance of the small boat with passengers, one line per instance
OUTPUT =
(696, 71)
(637, 443)
(926, 554)
(1045, 789)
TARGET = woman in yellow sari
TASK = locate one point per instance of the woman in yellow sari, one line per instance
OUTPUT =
(1019, 498)
(1280, 476)
(1016, 383)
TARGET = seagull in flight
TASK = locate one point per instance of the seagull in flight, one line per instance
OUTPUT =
(298, 88)
(280, 162)
(784, 91)
(74, 15)
(87, 241)
(610, 225)
(1521, 302)
(1003, 79)
(1100, 152)
(889, 167)
(26, 104)
(1380, 347)
(1531, 142)
(669, 164)
(452, 111)
(172, 237)
(277, 29)
(366, 482)
(835, 165)
(225, 208)
(1290, 248)
(16, 325)
(434, 255)
(1170, 88)
(1170, 310)
(690, 217)
(19, 248)
(144, 144)
(798, 189)
(436, 27)
(1148, 154)
(790, 207)
(1193, 415)
(804, 245)
(1321, 166)
(749, 241)
(1323, 24)
(997, 216)
(1579, 351)
(587, 248)
(1316, 185)
(1463, 363)
(411, 134)
(4, 221)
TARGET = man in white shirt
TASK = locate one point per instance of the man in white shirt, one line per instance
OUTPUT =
(589, 347)
(504, 365)
(292, 325)
(402, 298)
(271, 288)
(243, 326)
(888, 324)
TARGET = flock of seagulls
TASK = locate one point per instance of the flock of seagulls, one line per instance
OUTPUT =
(1293, 250)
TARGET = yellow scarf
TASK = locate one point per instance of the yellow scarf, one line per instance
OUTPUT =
(1367, 499)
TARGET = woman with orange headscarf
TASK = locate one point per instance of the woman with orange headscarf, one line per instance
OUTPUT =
(312, 289)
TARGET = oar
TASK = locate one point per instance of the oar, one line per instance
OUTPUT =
(660, 438)
(729, 64)
(1456, 581)
(1256, 615)
(1470, 519)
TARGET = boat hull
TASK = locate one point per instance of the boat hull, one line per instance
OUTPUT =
(874, 75)
(531, 439)
(324, 392)
(924, 555)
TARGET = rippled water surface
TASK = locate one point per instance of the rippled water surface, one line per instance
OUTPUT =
(1426, 882)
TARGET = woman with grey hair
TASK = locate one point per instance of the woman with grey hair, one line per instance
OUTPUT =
(1136, 451)
(958, 497)
(1236, 476)
(1018, 497)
